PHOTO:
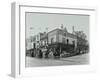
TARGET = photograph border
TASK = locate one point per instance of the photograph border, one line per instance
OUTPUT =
(16, 66)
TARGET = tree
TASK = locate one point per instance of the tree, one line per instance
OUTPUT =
(80, 34)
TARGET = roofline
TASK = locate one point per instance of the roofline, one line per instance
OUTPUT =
(54, 30)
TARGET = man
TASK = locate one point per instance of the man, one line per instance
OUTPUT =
(40, 53)
(47, 52)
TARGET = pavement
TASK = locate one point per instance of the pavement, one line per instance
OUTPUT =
(74, 60)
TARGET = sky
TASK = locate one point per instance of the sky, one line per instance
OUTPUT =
(39, 22)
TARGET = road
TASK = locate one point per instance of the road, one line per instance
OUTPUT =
(75, 60)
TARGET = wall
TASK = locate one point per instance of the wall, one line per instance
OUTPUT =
(51, 35)
(60, 38)
(71, 41)
(5, 40)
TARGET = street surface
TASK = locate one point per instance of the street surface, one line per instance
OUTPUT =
(74, 60)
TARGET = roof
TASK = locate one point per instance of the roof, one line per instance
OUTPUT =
(53, 30)
(63, 31)
(71, 35)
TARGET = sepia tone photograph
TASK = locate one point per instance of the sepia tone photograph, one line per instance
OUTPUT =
(56, 39)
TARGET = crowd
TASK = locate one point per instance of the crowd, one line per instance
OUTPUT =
(55, 52)
(40, 52)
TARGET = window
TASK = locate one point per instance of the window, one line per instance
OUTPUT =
(64, 40)
(73, 43)
(34, 45)
(52, 40)
(67, 41)
(64, 34)
(45, 42)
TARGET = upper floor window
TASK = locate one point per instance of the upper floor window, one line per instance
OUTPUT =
(52, 40)
(45, 42)
(64, 34)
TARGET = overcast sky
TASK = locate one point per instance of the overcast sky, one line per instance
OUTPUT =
(38, 22)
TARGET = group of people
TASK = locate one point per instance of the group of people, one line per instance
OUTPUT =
(55, 52)
(40, 53)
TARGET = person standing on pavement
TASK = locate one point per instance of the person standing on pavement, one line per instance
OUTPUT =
(47, 53)
(40, 53)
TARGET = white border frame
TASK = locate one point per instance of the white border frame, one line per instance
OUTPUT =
(18, 41)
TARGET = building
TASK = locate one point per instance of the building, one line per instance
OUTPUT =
(29, 43)
(44, 39)
(36, 42)
(61, 36)
(56, 37)
(33, 42)
(61, 39)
